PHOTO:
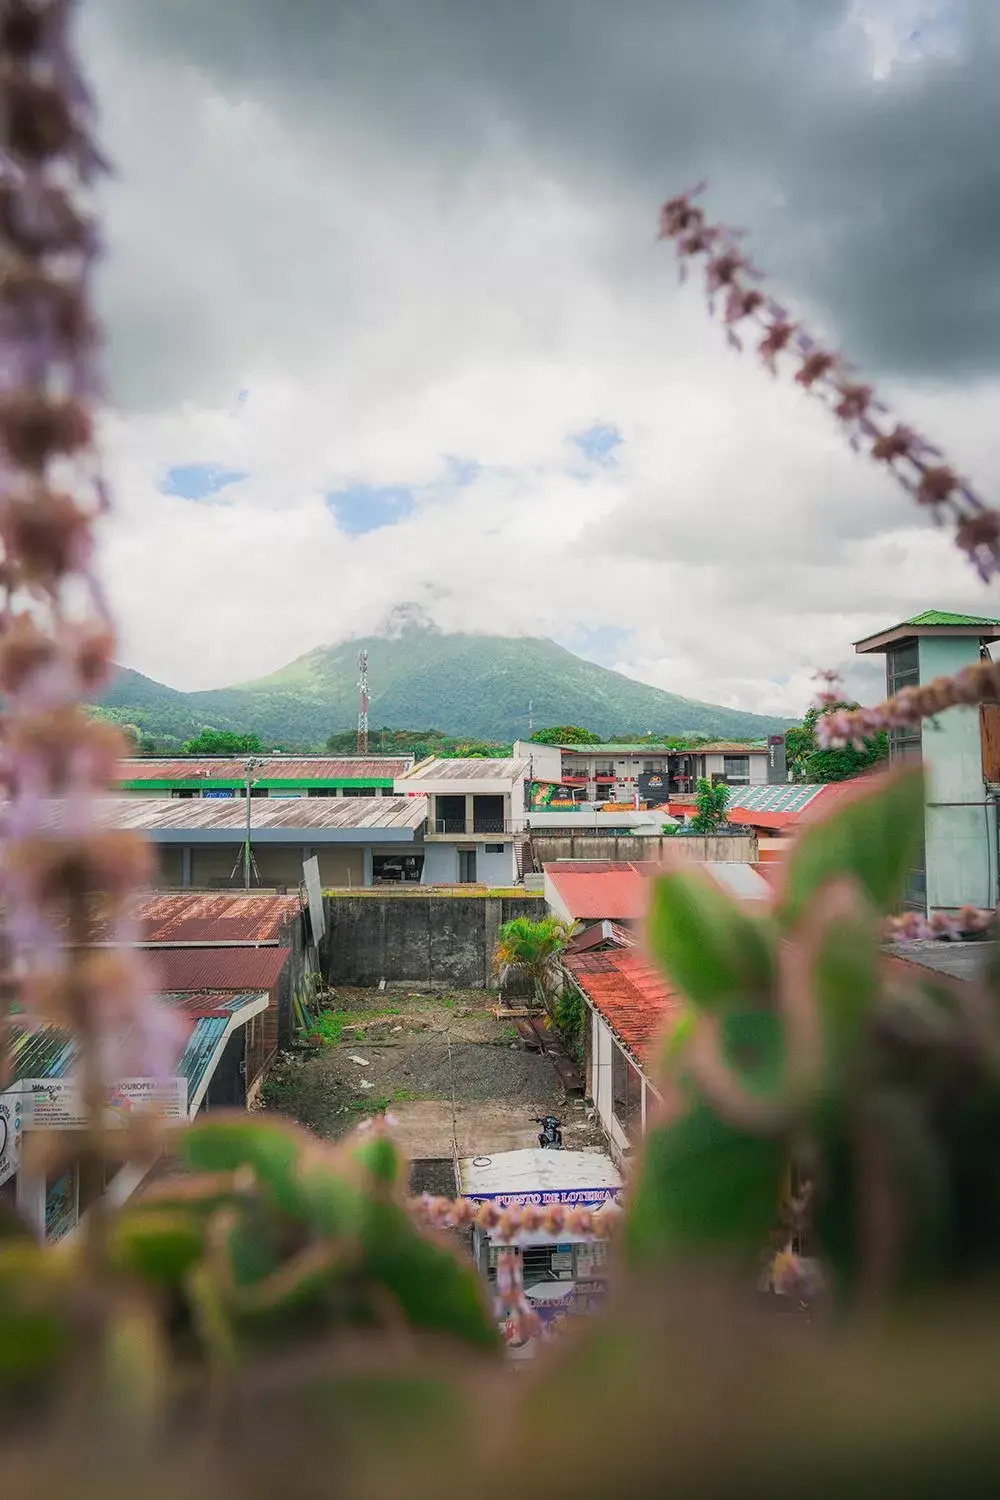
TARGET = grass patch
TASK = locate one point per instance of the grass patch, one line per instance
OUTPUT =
(328, 1028)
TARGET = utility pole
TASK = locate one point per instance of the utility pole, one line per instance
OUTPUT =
(248, 769)
(531, 718)
(362, 702)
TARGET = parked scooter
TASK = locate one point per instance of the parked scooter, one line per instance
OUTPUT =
(550, 1135)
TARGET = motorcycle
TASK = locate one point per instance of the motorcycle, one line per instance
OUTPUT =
(550, 1135)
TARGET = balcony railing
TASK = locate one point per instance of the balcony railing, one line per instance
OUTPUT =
(477, 825)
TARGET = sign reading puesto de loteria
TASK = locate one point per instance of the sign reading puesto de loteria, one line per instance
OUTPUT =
(57, 1104)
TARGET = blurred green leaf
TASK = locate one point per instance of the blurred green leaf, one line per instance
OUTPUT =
(874, 837)
(706, 943)
(226, 1142)
(380, 1157)
(158, 1246)
(435, 1290)
(703, 1188)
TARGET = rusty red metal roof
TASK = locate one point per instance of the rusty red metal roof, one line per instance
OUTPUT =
(274, 768)
(217, 969)
(635, 999)
(183, 917)
(599, 891)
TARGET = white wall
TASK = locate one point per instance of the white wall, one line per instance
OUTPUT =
(546, 760)
(441, 864)
(604, 1045)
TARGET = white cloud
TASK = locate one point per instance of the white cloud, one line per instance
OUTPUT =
(388, 310)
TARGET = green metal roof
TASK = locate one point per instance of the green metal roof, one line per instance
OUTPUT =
(50, 1052)
(944, 617)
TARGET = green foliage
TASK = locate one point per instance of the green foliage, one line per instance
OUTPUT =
(710, 807)
(327, 1030)
(570, 1017)
(807, 762)
(533, 949)
(478, 686)
(710, 947)
(223, 742)
(565, 734)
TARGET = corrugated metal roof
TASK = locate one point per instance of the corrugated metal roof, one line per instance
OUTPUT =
(179, 917)
(635, 1000)
(274, 768)
(469, 769)
(155, 814)
(739, 880)
(613, 891)
(217, 968)
(51, 1052)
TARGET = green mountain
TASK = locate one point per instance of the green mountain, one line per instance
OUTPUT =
(470, 685)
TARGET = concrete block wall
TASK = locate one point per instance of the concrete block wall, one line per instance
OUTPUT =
(437, 940)
(638, 848)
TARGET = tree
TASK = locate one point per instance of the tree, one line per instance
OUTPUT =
(712, 801)
(565, 734)
(223, 742)
(532, 949)
(808, 762)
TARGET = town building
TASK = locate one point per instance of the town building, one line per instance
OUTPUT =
(630, 1005)
(476, 818)
(224, 776)
(564, 1275)
(630, 1002)
(199, 843)
(959, 862)
(585, 891)
(648, 774)
(220, 1065)
(773, 813)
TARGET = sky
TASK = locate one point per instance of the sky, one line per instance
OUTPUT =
(388, 325)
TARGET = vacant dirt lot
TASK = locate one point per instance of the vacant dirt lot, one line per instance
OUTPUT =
(451, 1074)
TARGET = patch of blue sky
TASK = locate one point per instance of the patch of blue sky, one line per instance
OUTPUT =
(368, 507)
(599, 442)
(200, 482)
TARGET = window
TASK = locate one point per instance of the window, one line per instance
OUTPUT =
(398, 868)
(604, 768)
(626, 1093)
(651, 766)
(902, 669)
(736, 768)
(493, 848)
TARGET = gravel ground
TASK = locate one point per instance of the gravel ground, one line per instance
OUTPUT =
(413, 1047)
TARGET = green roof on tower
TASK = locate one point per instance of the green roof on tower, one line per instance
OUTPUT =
(944, 617)
(932, 622)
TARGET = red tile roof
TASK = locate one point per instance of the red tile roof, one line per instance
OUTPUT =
(593, 892)
(181, 917)
(635, 1000)
(217, 969)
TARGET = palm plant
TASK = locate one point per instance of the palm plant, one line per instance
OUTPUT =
(532, 949)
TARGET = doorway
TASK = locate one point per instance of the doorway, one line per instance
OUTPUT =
(467, 866)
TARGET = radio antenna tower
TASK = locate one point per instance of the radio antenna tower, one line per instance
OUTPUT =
(362, 702)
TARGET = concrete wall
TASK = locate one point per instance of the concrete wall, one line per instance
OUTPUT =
(550, 846)
(212, 866)
(441, 864)
(436, 940)
(960, 832)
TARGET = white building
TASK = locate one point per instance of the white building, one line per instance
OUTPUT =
(621, 773)
(564, 1274)
(476, 818)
